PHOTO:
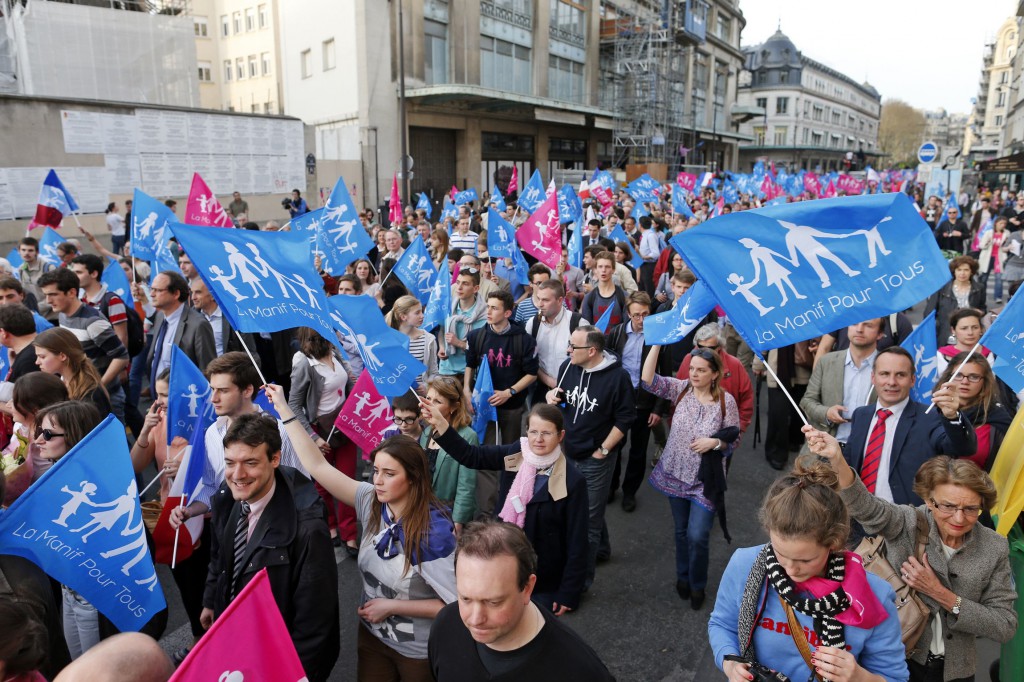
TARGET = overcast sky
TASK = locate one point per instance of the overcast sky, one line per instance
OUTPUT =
(925, 52)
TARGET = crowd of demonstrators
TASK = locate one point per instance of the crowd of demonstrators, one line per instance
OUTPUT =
(576, 408)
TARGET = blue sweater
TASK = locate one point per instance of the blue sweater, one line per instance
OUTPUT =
(878, 650)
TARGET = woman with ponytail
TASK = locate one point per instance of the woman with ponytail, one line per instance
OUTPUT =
(848, 629)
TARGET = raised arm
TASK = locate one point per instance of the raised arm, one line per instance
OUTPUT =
(650, 365)
(485, 457)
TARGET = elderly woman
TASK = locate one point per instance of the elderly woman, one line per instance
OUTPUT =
(960, 292)
(964, 577)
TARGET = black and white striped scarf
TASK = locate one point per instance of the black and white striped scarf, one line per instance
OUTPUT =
(823, 609)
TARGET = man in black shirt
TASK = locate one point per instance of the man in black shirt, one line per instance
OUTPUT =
(494, 629)
(17, 331)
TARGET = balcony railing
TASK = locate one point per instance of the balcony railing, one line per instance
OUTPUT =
(570, 37)
(492, 11)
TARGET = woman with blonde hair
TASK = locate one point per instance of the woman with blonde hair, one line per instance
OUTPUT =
(58, 351)
(406, 316)
(453, 483)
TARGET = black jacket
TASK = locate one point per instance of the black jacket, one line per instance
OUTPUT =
(511, 356)
(557, 529)
(292, 542)
(943, 302)
(645, 400)
(596, 400)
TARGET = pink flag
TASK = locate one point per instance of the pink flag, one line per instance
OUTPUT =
(452, 193)
(811, 183)
(687, 181)
(366, 416)
(455, 272)
(541, 235)
(551, 187)
(766, 187)
(394, 203)
(604, 196)
(513, 184)
(252, 619)
(830, 191)
(203, 207)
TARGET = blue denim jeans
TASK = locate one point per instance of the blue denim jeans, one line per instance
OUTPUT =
(693, 527)
(598, 474)
(81, 623)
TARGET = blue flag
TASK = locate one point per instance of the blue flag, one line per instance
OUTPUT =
(688, 312)
(262, 281)
(48, 244)
(14, 258)
(569, 207)
(309, 224)
(424, 205)
(679, 203)
(619, 235)
(639, 210)
(575, 254)
(604, 179)
(384, 351)
(188, 392)
(642, 189)
(793, 272)
(465, 196)
(501, 236)
(117, 282)
(483, 389)
(163, 260)
(922, 347)
(436, 311)
(1005, 338)
(449, 210)
(150, 222)
(41, 323)
(533, 194)
(416, 270)
(521, 267)
(82, 524)
(497, 200)
(263, 401)
(341, 232)
(602, 322)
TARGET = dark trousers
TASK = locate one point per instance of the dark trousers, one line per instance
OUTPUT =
(377, 662)
(190, 577)
(783, 433)
(636, 464)
(646, 275)
(933, 672)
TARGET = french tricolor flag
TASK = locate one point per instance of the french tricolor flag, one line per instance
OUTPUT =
(55, 202)
(706, 179)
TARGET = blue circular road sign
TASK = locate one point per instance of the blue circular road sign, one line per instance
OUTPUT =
(927, 152)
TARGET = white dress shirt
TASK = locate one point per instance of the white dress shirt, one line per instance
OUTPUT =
(164, 351)
(882, 488)
(856, 389)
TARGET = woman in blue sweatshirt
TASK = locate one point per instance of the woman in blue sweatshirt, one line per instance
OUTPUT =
(847, 618)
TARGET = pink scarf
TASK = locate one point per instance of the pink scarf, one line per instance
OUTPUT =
(865, 611)
(522, 486)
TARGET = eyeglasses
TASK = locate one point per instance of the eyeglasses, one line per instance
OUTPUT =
(541, 434)
(639, 316)
(971, 378)
(408, 421)
(700, 352)
(49, 435)
(572, 347)
(951, 509)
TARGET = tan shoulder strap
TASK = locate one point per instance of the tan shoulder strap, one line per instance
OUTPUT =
(797, 632)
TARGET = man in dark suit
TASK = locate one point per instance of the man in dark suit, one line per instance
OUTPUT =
(891, 439)
(224, 337)
(273, 519)
(177, 324)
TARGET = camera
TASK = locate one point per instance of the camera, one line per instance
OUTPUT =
(286, 203)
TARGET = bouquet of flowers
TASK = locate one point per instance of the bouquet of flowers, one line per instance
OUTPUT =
(17, 468)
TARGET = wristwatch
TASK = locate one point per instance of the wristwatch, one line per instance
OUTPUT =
(604, 450)
(511, 392)
(956, 606)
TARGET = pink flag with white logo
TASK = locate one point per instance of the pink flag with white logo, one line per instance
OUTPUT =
(541, 235)
(829, 191)
(394, 203)
(811, 183)
(604, 196)
(203, 208)
(513, 184)
(687, 181)
(253, 619)
(366, 415)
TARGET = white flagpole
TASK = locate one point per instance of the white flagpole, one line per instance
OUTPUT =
(784, 390)
(957, 372)
(160, 473)
(177, 531)
(251, 358)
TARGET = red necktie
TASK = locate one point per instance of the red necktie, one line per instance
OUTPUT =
(873, 453)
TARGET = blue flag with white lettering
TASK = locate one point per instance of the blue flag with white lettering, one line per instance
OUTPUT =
(533, 194)
(416, 270)
(575, 254)
(465, 196)
(82, 524)
(424, 205)
(117, 282)
(619, 235)
(150, 221)
(679, 204)
(501, 236)
(262, 281)
(688, 312)
(497, 200)
(48, 244)
(1005, 338)
(792, 272)
(642, 189)
(483, 389)
(188, 392)
(922, 347)
(384, 351)
(569, 207)
(436, 311)
(342, 234)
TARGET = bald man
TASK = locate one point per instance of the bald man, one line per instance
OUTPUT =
(125, 657)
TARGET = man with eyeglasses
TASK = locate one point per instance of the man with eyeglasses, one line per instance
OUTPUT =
(596, 397)
(892, 438)
(735, 381)
(626, 340)
(951, 231)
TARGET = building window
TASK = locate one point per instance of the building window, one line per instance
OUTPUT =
(780, 135)
(504, 64)
(253, 66)
(1004, 77)
(264, 19)
(435, 51)
(762, 102)
(250, 19)
(836, 118)
(205, 72)
(999, 120)
(201, 27)
(236, 22)
(816, 139)
(759, 133)
(762, 77)
(327, 50)
(567, 17)
(268, 108)
(239, 68)
(565, 79)
(781, 105)
(807, 135)
(225, 26)
(1001, 100)
(306, 60)
(723, 26)
(819, 113)
(227, 70)
(265, 61)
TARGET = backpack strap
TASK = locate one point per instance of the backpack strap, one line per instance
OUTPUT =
(574, 322)
(536, 325)
(894, 329)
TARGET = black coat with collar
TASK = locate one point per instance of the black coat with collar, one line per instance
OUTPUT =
(292, 542)
(645, 401)
(918, 437)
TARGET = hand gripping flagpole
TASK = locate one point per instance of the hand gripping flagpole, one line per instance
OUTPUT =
(784, 390)
(957, 372)
(251, 358)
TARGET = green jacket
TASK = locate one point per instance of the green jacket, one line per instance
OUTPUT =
(454, 484)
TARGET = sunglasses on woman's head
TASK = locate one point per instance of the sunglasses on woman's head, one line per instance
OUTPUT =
(699, 352)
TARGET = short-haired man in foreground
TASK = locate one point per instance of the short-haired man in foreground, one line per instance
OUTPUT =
(494, 629)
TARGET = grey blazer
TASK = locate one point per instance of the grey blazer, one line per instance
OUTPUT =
(979, 573)
(194, 335)
(825, 389)
(307, 387)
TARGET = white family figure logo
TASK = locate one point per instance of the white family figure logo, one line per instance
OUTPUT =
(377, 410)
(342, 229)
(927, 369)
(257, 272)
(208, 205)
(773, 269)
(370, 359)
(143, 226)
(193, 398)
(530, 195)
(52, 197)
(108, 515)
